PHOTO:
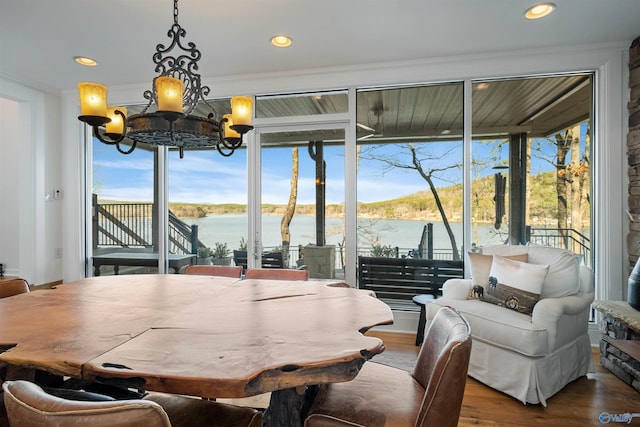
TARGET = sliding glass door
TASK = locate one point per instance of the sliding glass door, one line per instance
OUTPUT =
(302, 199)
(124, 214)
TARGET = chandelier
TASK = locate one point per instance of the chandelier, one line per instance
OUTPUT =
(176, 92)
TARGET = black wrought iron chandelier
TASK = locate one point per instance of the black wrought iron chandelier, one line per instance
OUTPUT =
(176, 92)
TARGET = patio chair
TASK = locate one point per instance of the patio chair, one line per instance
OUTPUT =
(276, 274)
(214, 270)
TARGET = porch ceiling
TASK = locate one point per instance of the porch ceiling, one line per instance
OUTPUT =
(536, 106)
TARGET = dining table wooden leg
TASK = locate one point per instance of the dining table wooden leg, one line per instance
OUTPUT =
(288, 407)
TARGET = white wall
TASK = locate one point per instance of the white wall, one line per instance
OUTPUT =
(30, 153)
(9, 196)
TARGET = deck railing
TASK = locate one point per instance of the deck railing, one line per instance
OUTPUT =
(565, 238)
(130, 225)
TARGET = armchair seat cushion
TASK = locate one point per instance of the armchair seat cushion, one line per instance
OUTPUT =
(501, 326)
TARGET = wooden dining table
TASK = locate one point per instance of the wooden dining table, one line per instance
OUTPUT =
(211, 337)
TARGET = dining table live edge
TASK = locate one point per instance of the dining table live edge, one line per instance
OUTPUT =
(205, 336)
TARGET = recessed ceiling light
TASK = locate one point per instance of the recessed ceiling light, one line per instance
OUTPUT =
(281, 41)
(539, 10)
(83, 60)
(481, 86)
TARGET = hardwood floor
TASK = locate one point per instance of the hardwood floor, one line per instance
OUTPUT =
(578, 404)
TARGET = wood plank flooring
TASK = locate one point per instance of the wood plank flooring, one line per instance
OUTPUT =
(578, 404)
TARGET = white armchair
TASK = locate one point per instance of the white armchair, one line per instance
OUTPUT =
(528, 356)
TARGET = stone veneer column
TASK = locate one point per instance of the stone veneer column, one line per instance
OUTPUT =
(633, 152)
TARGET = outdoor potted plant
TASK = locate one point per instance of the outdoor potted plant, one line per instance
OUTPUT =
(205, 255)
(221, 254)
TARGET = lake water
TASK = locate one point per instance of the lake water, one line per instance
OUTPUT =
(402, 233)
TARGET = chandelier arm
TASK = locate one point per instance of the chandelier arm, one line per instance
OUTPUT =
(133, 147)
(101, 138)
(222, 150)
(232, 143)
(220, 126)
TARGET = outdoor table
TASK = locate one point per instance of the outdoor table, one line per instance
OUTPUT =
(140, 259)
(205, 336)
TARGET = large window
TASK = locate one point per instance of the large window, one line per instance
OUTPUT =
(531, 173)
(521, 167)
(410, 157)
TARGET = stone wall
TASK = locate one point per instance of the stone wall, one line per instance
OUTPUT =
(621, 364)
(633, 151)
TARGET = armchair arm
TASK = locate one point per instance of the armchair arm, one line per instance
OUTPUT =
(555, 307)
(456, 289)
(564, 318)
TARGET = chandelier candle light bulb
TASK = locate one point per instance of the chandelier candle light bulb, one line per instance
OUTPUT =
(241, 107)
(170, 91)
(116, 125)
(93, 99)
(228, 131)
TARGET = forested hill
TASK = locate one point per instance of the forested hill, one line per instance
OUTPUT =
(419, 206)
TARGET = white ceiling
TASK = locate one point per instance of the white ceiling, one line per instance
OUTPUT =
(38, 38)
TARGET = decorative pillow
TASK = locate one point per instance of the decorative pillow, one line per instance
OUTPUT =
(564, 270)
(515, 285)
(480, 267)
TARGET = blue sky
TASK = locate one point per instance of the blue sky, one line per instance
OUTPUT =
(207, 177)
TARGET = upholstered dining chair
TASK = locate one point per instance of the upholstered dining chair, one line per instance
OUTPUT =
(276, 274)
(9, 288)
(28, 405)
(384, 396)
(215, 270)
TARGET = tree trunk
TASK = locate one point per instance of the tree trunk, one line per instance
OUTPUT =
(434, 191)
(285, 232)
(562, 143)
(576, 172)
(585, 176)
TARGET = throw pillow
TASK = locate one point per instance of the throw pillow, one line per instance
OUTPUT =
(480, 267)
(515, 285)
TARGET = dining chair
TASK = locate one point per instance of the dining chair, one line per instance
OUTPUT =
(381, 395)
(215, 270)
(276, 274)
(28, 405)
(10, 288)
